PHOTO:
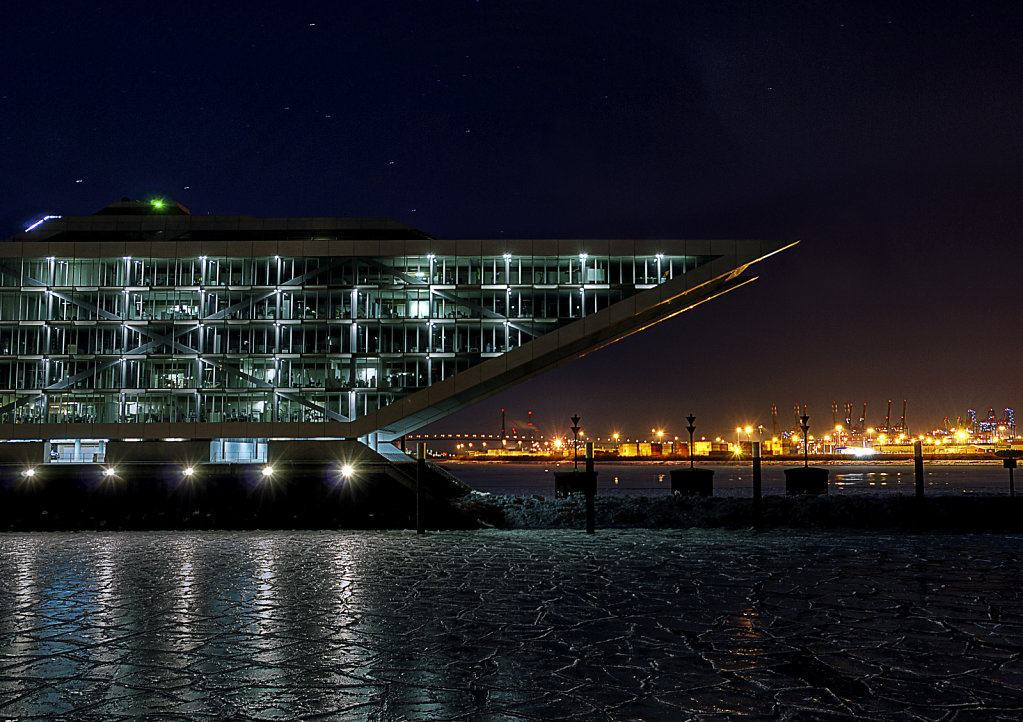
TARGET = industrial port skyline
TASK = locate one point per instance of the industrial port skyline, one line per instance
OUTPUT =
(846, 434)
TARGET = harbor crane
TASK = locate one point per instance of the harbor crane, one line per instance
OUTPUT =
(901, 428)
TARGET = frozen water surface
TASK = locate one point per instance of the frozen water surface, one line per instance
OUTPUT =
(510, 625)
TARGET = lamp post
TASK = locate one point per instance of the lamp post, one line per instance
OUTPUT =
(692, 481)
(806, 479)
(691, 428)
(804, 424)
(575, 440)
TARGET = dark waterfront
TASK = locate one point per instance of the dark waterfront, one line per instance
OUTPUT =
(652, 478)
(510, 625)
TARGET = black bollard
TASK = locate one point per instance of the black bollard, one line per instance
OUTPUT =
(918, 464)
(758, 488)
(591, 490)
(1010, 464)
(420, 463)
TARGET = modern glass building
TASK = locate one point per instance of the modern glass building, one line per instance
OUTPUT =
(145, 322)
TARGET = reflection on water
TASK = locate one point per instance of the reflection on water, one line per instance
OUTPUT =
(649, 478)
(852, 480)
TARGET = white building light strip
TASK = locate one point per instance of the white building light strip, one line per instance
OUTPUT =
(41, 221)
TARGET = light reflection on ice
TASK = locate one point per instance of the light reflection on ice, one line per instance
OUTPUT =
(504, 625)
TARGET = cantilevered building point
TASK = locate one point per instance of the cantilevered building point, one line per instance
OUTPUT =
(143, 322)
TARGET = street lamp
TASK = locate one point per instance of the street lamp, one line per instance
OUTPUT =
(804, 424)
(575, 442)
(691, 428)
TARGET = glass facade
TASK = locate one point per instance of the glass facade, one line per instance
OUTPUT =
(90, 336)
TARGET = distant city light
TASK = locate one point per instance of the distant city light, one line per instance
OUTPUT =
(347, 471)
(268, 471)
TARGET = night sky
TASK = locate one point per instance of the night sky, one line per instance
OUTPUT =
(887, 140)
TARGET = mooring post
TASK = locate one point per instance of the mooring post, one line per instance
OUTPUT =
(918, 464)
(420, 464)
(591, 490)
(758, 491)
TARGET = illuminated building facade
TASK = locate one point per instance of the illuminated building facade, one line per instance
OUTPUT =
(145, 322)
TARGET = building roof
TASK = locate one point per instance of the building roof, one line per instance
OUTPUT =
(167, 220)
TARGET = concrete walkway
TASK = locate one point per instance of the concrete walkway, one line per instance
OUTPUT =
(523, 625)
